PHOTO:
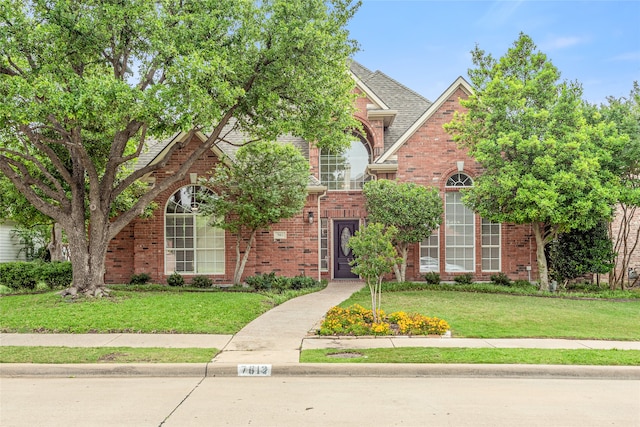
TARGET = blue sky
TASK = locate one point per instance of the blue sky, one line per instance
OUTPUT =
(425, 44)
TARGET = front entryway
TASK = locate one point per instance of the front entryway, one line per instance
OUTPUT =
(342, 255)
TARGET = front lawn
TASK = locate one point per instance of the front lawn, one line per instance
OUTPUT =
(484, 315)
(134, 312)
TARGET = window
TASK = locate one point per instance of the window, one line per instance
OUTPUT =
(460, 227)
(345, 171)
(324, 244)
(192, 246)
(490, 245)
(430, 252)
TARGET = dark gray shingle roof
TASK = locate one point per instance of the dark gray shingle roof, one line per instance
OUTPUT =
(409, 104)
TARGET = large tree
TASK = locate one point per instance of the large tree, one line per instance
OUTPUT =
(414, 210)
(265, 183)
(527, 130)
(85, 85)
(625, 164)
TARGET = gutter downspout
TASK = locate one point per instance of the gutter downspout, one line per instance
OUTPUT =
(324, 194)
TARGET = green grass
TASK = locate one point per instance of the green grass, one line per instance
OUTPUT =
(134, 312)
(471, 313)
(481, 315)
(475, 356)
(19, 354)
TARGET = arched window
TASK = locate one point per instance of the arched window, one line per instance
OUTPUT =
(459, 226)
(192, 246)
(345, 171)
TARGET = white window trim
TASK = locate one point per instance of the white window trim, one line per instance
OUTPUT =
(167, 250)
(499, 246)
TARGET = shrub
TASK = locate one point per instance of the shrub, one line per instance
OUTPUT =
(500, 279)
(432, 278)
(280, 284)
(139, 279)
(269, 282)
(201, 282)
(175, 280)
(464, 279)
(261, 282)
(302, 282)
(27, 275)
(56, 274)
(19, 275)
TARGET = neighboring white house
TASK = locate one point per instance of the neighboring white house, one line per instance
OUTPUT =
(10, 244)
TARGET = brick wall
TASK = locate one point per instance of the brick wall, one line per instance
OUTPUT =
(633, 224)
(429, 157)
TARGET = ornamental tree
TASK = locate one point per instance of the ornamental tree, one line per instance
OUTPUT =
(374, 256)
(86, 85)
(267, 182)
(414, 210)
(527, 130)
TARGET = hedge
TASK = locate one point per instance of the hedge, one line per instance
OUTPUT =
(26, 275)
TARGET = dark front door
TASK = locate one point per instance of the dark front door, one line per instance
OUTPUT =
(342, 255)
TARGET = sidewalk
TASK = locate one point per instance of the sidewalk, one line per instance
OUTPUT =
(277, 337)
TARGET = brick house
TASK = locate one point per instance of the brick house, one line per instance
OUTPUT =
(403, 139)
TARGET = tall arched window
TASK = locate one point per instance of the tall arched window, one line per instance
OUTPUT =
(345, 171)
(459, 226)
(192, 246)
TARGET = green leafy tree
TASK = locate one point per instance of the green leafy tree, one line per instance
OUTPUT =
(266, 183)
(580, 252)
(625, 164)
(528, 132)
(374, 256)
(414, 210)
(35, 230)
(85, 85)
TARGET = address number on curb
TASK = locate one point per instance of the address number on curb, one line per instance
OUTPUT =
(254, 370)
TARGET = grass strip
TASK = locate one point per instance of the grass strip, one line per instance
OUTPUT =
(65, 355)
(523, 356)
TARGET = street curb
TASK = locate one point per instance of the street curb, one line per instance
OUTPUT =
(17, 370)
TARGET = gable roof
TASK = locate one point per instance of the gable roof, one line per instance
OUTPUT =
(409, 105)
(409, 131)
(402, 109)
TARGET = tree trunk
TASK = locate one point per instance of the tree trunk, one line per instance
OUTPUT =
(55, 245)
(88, 243)
(625, 243)
(400, 270)
(241, 261)
(543, 271)
(88, 259)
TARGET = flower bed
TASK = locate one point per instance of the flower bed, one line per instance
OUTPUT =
(357, 320)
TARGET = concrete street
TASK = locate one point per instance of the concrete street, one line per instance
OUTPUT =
(318, 401)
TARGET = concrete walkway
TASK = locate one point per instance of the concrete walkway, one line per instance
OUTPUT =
(276, 339)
